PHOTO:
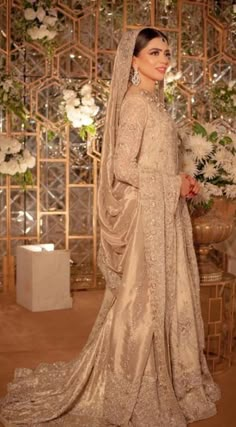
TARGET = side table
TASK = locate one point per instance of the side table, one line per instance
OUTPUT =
(217, 304)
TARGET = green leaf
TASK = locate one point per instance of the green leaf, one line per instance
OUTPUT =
(199, 129)
(213, 136)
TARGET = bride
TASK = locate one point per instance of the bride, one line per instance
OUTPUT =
(143, 364)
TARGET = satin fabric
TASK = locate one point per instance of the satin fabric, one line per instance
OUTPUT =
(143, 364)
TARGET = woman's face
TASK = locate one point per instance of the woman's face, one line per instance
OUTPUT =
(153, 60)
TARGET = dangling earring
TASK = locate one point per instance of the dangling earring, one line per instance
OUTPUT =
(135, 79)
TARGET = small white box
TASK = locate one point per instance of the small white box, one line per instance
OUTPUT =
(43, 278)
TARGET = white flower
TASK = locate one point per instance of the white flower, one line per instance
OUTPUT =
(214, 190)
(230, 191)
(203, 196)
(78, 118)
(171, 77)
(201, 148)
(39, 33)
(188, 164)
(51, 35)
(9, 145)
(29, 160)
(69, 94)
(209, 171)
(220, 155)
(89, 111)
(94, 110)
(87, 120)
(29, 14)
(12, 167)
(40, 14)
(88, 100)
(22, 166)
(86, 90)
(72, 103)
(50, 20)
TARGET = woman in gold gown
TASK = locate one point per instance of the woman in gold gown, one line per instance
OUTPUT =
(143, 364)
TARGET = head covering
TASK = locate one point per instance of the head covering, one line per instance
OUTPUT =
(119, 86)
(114, 213)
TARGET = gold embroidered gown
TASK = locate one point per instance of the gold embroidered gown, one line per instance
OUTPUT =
(143, 365)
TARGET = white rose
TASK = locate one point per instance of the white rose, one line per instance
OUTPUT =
(94, 110)
(28, 159)
(40, 14)
(87, 120)
(49, 20)
(39, 33)
(10, 146)
(15, 146)
(85, 110)
(22, 166)
(29, 14)
(86, 90)
(74, 114)
(89, 111)
(51, 35)
(88, 100)
(169, 78)
(12, 167)
(68, 94)
(33, 33)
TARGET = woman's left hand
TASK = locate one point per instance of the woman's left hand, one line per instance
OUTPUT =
(194, 187)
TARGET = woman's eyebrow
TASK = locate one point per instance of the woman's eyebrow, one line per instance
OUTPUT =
(158, 50)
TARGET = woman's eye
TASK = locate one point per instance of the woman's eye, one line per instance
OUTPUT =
(155, 53)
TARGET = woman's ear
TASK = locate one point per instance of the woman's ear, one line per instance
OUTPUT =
(135, 62)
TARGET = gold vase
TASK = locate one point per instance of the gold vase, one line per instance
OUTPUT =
(211, 227)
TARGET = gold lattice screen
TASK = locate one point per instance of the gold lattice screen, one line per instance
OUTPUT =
(61, 206)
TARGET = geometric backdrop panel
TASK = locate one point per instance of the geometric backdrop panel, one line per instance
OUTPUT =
(60, 207)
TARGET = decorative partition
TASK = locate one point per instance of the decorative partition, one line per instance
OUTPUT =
(60, 207)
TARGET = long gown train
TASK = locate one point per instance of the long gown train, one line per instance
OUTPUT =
(143, 365)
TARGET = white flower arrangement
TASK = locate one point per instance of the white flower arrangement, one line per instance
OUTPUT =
(210, 157)
(11, 96)
(41, 22)
(223, 99)
(170, 82)
(80, 109)
(15, 160)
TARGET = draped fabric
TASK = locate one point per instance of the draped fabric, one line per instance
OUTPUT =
(143, 364)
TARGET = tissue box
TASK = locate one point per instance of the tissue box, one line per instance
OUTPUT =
(43, 278)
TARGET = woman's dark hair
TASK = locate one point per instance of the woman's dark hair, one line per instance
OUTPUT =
(145, 36)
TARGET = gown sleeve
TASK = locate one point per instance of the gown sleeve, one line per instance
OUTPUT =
(132, 123)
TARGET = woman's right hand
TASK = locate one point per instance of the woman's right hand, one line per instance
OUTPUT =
(185, 188)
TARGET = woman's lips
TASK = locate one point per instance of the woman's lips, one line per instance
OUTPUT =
(161, 69)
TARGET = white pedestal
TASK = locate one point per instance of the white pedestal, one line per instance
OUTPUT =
(43, 278)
